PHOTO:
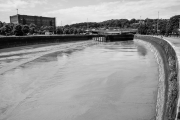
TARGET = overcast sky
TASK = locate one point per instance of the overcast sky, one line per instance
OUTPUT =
(75, 11)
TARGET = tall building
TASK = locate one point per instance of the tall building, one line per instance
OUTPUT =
(37, 20)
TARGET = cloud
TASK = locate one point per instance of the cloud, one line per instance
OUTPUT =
(8, 5)
(115, 10)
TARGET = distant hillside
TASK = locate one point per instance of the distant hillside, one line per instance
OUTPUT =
(121, 23)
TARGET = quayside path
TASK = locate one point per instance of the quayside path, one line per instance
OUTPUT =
(175, 41)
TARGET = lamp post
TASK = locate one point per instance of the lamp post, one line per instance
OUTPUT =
(179, 24)
(140, 31)
(179, 27)
(87, 24)
(17, 11)
(158, 23)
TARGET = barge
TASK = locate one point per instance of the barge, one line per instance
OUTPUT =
(113, 36)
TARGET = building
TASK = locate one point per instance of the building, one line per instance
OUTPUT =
(37, 20)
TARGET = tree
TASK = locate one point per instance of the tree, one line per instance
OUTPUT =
(32, 28)
(1, 24)
(124, 23)
(25, 29)
(17, 30)
(149, 26)
(143, 28)
(66, 26)
(66, 31)
(132, 21)
(168, 28)
(74, 31)
(59, 30)
(6, 29)
(173, 25)
(32, 25)
(2, 31)
(71, 30)
(135, 25)
(162, 26)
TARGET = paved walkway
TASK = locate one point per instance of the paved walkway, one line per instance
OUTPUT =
(175, 41)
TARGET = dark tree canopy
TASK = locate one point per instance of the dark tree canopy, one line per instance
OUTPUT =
(18, 30)
(25, 29)
(173, 24)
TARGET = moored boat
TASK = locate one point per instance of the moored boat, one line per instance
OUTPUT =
(114, 36)
(120, 37)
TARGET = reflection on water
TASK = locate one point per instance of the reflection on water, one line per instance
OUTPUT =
(141, 50)
(99, 81)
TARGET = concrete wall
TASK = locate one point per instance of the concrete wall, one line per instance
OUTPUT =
(168, 91)
(14, 41)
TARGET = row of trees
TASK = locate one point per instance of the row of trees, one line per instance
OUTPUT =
(147, 26)
(164, 26)
(122, 23)
(19, 30)
(69, 30)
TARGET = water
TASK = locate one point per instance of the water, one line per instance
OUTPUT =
(79, 81)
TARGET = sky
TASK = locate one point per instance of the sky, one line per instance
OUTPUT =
(76, 11)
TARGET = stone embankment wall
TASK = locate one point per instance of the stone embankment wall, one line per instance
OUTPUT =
(14, 41)
(168, 89)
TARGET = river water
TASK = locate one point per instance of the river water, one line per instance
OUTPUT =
(79, 81)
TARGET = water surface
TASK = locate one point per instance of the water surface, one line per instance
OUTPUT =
(79, 81)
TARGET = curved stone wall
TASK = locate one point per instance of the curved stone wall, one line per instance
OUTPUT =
(168, 89)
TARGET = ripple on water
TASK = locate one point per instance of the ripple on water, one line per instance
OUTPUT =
(93, 80)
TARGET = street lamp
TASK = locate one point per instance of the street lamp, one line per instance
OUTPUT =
(17, 11)
(179, 24)
(158, 23)
(87, 24)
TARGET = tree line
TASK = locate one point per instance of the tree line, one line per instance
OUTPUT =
(164, 27)
(19, 30)
(146, 26)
